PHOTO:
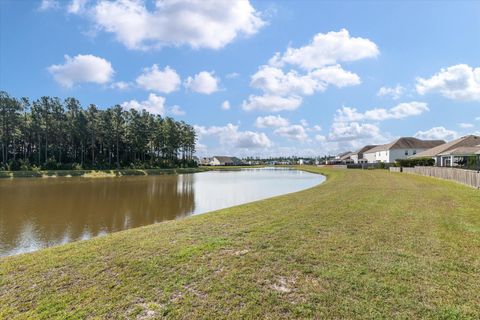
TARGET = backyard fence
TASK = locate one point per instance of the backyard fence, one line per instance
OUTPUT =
(463, 176)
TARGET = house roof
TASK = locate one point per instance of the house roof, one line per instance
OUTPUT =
(407, 143)
(462, 151)
(346, 156)
(366, 148)
(466, 141)
(343, 154)
(225, 159)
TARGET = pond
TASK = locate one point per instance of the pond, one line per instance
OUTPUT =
(39, 213)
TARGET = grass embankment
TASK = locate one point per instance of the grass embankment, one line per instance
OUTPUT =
(365, 244)
(95, 173)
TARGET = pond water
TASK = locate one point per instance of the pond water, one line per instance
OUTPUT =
(39, 213)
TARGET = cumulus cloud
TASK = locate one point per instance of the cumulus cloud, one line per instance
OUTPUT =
(317, 127)
(274, 81)
(203, 82)
(394, 92)
(327, 49)
(226, 105)
(229, 135)
(154, 105)
(82, 69)
(400, 111)
(293, 132)
(271, 121)
(320, 63)
(341, 131)
(458, 82)
(437, 133)
(271, 103)
(197, 23)
(153, 79)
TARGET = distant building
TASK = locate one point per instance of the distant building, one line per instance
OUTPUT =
(401, 148)
(446, 154)
(225, 161)
(205, 161)
(358, 156)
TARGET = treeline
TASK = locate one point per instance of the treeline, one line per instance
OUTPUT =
(52, 134)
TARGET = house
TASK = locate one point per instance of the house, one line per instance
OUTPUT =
(205, 161)
(342, 155)
(461, 156)
(225, 161)
(401, 148)
(358, 156)
(196, 160)
(346, 158)
(442, 152)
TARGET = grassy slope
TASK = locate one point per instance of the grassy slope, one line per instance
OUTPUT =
(365, 244)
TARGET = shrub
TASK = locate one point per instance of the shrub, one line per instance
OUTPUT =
(409, 163)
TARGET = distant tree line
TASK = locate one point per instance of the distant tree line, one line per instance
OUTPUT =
(52, 134)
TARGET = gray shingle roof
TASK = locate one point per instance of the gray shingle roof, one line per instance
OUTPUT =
(466, 141)
(407, 143)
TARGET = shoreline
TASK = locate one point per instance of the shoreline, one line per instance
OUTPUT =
(95, 173)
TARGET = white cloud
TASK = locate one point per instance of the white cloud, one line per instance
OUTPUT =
(229, 135)
(335, 75)
(48, 4)
(271, 121)
(458, 82)
(271, 103)
(153, 79)
(154, 105)
(327, 49)
(80, 69)
(477, 119)
(197, 23)
(226, 105)
(177, 111)
(274, 81)
(394, 92)
(466, 125)
(320, 138)
(232, 75)
(293, 132)
(304, 122)
(341, 131)
(437, 133)
(203, 82)
(317, 128)
(400, 111)
(120, 85)
(76, 6)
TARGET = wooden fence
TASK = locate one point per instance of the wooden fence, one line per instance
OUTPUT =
(463, 176)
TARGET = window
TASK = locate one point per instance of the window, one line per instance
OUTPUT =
(406, 152)
(414, 151)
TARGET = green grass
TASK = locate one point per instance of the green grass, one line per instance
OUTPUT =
(365, 244)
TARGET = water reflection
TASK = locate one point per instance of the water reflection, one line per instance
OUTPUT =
(37, 213)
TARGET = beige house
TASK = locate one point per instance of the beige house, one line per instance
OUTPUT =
(402, 148)
(358, 156)
(445, 154)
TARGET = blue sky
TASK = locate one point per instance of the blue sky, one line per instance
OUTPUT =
(257, 78)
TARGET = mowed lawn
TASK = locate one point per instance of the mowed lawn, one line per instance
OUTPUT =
(365, 244)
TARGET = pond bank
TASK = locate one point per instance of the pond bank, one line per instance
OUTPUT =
(95, 173)
(364, 244)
